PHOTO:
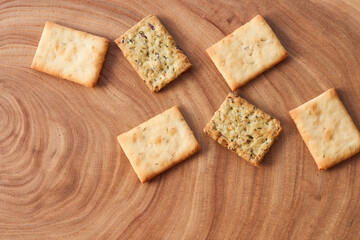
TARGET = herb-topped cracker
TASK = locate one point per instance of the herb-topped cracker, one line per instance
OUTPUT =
(153, 53)
(243, 128)
(158, 144)
(70, 54)
(327, 129)
(247, 52)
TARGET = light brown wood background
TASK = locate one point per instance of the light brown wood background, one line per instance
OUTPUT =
(64, 176)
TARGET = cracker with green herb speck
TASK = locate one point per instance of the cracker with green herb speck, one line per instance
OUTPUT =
(153, 53)
(243, 128)
(247, 52)
(327, 129)
(70, 54)
(158, 144)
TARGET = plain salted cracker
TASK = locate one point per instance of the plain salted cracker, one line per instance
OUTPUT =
(153, 53)
(327, 129)
(70, 54)
(158, 144)
(247, 52)
(243, 128)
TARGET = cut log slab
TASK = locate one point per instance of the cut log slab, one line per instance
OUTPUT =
(63, 174)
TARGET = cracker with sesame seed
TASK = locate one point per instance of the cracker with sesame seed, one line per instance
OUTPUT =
(153, 53)
(327, 129)
(247, 52)
(158, 144)
(70, 54)
(243, 128)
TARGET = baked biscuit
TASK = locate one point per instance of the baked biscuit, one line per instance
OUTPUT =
(70, 54)
(327, 129)
(243, 128)
(158, 144)
(247, 52)
(153, 53)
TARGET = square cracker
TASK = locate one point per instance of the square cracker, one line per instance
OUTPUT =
(70, 54)
(153, 53)
(327, 129)
(247, 52)
(244, 129)
(158, 144)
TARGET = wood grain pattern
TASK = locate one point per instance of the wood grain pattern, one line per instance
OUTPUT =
(64, 176)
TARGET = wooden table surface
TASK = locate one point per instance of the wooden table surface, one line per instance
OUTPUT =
(64, 176)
